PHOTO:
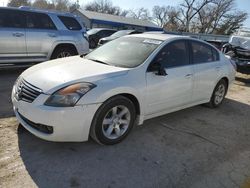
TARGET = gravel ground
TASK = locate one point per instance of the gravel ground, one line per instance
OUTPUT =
(195, 147)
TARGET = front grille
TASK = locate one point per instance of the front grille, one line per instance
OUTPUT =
(40, 127)
(26, 91)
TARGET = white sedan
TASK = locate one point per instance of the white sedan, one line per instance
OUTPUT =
(122, 83)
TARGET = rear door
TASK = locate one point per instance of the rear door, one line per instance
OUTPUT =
(41, 33)
(175, 89)
(12, 35)
(207, 69)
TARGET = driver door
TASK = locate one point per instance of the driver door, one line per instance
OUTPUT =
(166, 92)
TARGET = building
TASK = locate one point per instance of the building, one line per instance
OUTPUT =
(100, 20)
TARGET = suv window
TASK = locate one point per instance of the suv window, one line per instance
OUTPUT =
(11, 18)
(174, 54)
(39, 21)
(70, 22)
(203, 53)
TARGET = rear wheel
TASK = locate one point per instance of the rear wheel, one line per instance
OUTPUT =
(219, 94)
(113, 121)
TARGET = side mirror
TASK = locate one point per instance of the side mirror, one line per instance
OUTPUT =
(158, 69)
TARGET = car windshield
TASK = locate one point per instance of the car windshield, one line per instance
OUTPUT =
(121, 33)
(126, 52)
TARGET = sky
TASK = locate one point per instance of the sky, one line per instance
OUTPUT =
(243, 5)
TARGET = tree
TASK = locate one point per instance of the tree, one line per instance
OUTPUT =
(74, 6)
(140, 13)
(18, 3)
(42, 4)
(206, 16)
(231, 23)
(62, 5)
(104, 6)
(189, 9)
(166, 16)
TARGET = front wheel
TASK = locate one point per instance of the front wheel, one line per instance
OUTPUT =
(219, 94)
(113, 121)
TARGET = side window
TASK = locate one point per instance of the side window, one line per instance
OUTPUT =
(39, 21)
(11, 19)
(174, 54)
(202, 53)
(70, 22)
(216, 55)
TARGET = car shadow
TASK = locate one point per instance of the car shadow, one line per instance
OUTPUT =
(7, 80)
(244, 80)
(173, 150)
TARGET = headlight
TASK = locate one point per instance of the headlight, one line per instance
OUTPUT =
(69, 96)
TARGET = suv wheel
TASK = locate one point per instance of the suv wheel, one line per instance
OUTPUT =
(113, 121)
(63, 52)
(219, 94)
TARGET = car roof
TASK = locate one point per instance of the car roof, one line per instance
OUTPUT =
(158, 36)
(31, 9)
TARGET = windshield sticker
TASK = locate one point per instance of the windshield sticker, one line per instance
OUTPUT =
(151, 41)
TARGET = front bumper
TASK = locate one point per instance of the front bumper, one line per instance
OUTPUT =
(69, 124)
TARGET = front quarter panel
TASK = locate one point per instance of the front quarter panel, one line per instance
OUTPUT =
(131, 83)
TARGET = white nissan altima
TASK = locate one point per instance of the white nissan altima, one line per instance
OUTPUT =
(122, 83)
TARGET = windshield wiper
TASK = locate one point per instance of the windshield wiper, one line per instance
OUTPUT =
(99, 61)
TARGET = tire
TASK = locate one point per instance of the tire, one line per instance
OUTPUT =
(219, 94)
(109, 126)
(63, 52)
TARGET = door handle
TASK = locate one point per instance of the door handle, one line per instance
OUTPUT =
(188, 75)
(18, 34)
(52, 35)
(217, 68)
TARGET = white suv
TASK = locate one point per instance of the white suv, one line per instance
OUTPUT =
(30, 35)
(127, 80)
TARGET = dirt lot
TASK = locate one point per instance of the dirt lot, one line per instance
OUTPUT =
(196, 147)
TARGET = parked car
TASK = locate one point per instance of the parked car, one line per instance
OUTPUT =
(116, 35)
(31, 35)
(126, 81)
(238, 49)
(216, 43)
(96, 34)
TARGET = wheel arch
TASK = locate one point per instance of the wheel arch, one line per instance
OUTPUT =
(62, 45)
(226, 80)
(131, 97)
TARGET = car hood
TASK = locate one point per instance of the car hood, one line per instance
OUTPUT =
(53, 75)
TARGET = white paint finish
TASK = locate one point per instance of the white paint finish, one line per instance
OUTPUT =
(51, 74)
(170, 91)
(205, 78)
(183, 87)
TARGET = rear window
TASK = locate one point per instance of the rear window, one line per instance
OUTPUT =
(70, 22)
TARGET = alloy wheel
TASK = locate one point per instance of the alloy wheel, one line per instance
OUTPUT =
(116, 122)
